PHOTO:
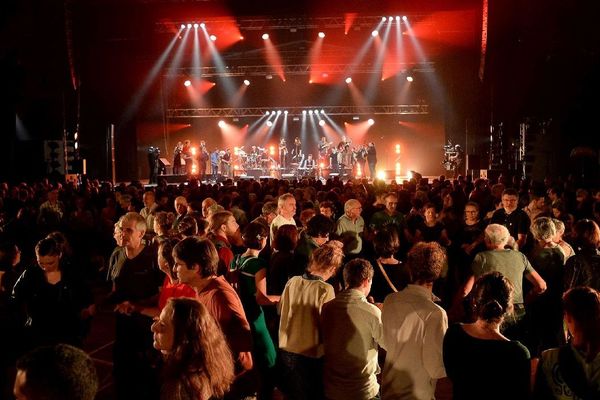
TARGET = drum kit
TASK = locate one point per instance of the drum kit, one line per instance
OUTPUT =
(257, 159)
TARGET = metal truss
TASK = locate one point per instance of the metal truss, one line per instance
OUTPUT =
(295, 69)
(400, 109)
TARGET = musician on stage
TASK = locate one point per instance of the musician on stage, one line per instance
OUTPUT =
(177, 161)
(297, 150)
(372, 159)
(225, 162)
(214, 164)
(187, 156)
(203, 158)
(324, 147)
(360, 158)
(283, 152)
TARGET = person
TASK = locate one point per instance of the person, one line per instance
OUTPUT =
(327, 209)
(268, 214)
(208, 204)
(187, 226)
(214, 164)
(223, 226)
(390, 275)
(149, 210)
(536, 206)
(479, 360)
(252, 287)
(512, 217)
(352, 332)
(56, 373)
(181, 205)
(389, 215)
(300, 340)
(573, 371)
(177, 160)
(413, 329)
(162, 225)
(372, 160)
(283, 152)
(203, 158)
(583, 269)
(564, 246)
(432, 230)
(314, 236)
(350, 227)
(286, 208)
(53, 300)
(196, 262)
(171, 287)
(283, 264)
(197, 362)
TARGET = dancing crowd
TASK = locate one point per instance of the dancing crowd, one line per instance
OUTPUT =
(303, 289)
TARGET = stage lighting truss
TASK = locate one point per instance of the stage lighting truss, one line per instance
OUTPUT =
(402, 109)
(297, 69)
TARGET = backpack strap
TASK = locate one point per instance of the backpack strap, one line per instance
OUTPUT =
(387, 278)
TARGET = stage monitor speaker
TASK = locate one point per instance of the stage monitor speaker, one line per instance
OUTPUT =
(164, 162)
(474, 161)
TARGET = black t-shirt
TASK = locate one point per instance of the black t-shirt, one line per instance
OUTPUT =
(516, 222)
(138, 278)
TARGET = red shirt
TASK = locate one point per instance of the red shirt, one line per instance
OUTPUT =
(174, 290)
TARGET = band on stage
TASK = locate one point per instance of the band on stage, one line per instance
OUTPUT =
(291, 159)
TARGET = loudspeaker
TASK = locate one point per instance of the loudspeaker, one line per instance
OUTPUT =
(164, 162)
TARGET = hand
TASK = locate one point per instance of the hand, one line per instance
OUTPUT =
(125, 308)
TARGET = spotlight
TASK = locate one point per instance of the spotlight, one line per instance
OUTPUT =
(195, 26)
(286, 112)
(76, 145)
(321, 35)
(404, 18)
(221, 124)
(273, 112)
(355, 118)
(390, 19)
(246, 82)
(269, 123)
(267, 113)
(322, 111)
(187, 83)
(409, 78)
(322, 122)
(303, 112)
(348, 80)
(370, 121)
(241, 38)
(397, 18)
(189, 26)
(310, 112)
(202, 25)
(182, 26)
(265, 36)
(381, 175)
(374, 33)
(382, 19)
(278, 112)
(213, 37)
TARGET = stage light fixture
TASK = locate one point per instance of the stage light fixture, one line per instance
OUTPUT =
(246, 82)
(269, 76)
(310, 112)
(371, 121)
(213, 37)
(75, 136)
(348, 80)
(355, 118)
(390, 19)
(221, 124)
(187, 83)
(286, 112)
(265, 36)
(322, 122)
(195, 26)
(273, 112)
(303, 112)
(189, 26)
(269, 123)
(267, 113)
(374, 33)
(182, 26)
(321, 35)
(397, 18)
(76, 145)
(381, 175)
(322, 111)
(404, 18)
(382, 19)
(202, 25)
(278, 112)
(409, 78)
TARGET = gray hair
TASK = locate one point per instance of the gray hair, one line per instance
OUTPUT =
(560, 226)
(351, 203)
(283, 198)
(543, 229)
(497, 234)
(140, 222)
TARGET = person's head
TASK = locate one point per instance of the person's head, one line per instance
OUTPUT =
(255, 236)
(193, 343)
(53, 195)
(325, 260)
(63, 242)
(306, 216)
(492, 297)
(581, 307)
(560, 229)
(10, 255)
(165, 258)
(148, 198)
(56, 373)
(430, 212)
(194, 256)
(586, 235)
(386, 243)
(207, 203)
(558, 208)
(133, 226)
(510, 200)
(496, 236)
(118, 234)
(425, 262)
(538, 200)
(327, 209)
(319, 228)
(286, 238)
(181, 205)
(471, 212)
(358, 274)
(286, 205)
(390, 201)
(48, 254)
(187, 226)
(162, 222)
(269, 211)
(543, 229)
(223, 223)
(352, 208)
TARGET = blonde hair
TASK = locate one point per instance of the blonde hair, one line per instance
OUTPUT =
(327, 258)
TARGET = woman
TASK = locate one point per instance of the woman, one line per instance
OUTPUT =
(479, 360)
(252, 287)
(583, 269)
(283, 264)
(300, 342)
(471, 238)
(389, 274)
(197, 361)
(432, 230)
(171, 286)
(573, 371)
(565, 247)
(54, 302)
(162, 224)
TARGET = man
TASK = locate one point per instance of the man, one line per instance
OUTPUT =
(180, 210)
(350, 227)
(214, 164)
(389, 215)
(327, 209)
(149, 210)
(196, 263)
(352, 331)
(202, 160)
(268, 214)
(222, 226)
(136, 279)
(414, 328)
(316, 234)
(56, 373)
(510, 263)
(513, 218)
(51, 212)
(372, 160)
(536, 206)
(286, 208)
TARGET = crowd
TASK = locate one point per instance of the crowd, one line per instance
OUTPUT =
(308, 289)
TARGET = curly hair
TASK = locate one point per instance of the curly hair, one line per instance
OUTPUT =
(187, 226)
(425, 261)
(200, 364)
(327, 258)
(543, 229)
(286, 238)
(164, 220)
